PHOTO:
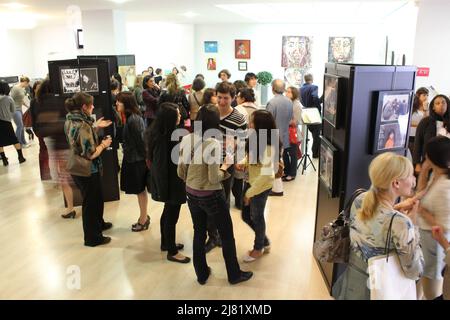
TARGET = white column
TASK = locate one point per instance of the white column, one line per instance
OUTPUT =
(104, 32)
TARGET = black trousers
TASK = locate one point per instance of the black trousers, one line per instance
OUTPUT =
(213, 234)
(290, 160)
(236, 189)
(168, 223)
(212, 207)
(315, 131)
(92, 207)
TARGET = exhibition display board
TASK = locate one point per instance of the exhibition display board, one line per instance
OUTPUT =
(367, 110)
(93, 77)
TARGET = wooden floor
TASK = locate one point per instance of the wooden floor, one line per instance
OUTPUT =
(41, 252)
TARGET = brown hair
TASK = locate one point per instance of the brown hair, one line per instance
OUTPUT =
(295, 93)
(129, 103)
(226, 72)
(207, 95)
(226, 87)
(78, 100)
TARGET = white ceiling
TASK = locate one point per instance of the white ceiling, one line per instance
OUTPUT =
(39, 12)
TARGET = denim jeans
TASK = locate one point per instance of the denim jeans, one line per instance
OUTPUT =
(215, 207)
(253, 215)
(20, 133)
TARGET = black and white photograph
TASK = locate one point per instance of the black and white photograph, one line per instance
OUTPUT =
(327, 165)
(89, 79)
(330, 99)
(70, 80)
(394, 106)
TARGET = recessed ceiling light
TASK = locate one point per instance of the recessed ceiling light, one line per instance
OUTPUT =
(15, 5)
(120, 1)
(189, 14)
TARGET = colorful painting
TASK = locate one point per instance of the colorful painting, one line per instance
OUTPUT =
(293, 77)
(296, 52)
(341, 49)
(128, 74)
(211, 64)
(242, 49)
(211, 47)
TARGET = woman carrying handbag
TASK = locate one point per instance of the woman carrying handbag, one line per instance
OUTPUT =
(392, 176)
(85, 165)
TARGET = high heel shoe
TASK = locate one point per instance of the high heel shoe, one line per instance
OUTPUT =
(70, 215)
(137, 227)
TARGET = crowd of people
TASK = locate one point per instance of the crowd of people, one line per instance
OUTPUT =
(225, 143)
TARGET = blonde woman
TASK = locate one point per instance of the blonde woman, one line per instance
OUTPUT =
(175, 94)
(392, 176)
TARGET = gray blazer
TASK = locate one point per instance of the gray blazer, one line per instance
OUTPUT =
(281, 108)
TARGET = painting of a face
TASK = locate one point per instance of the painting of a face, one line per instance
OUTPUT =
(296, 52)
(340, 49)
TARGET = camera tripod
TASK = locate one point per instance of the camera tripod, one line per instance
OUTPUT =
(306, 160)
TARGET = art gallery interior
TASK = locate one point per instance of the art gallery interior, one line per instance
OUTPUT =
(42, 254)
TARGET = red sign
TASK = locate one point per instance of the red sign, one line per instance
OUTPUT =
(423, 72)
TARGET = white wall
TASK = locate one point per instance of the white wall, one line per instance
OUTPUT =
(161, 45)
(266, 42)
(432, 44)
(16, 53)
(52, 43)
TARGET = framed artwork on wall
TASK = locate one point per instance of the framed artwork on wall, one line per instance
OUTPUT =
(391, 123)
(331, 99)
(341, 49)
(70, 80)
(89, 80)
(296, 52)
(211, 47)
(242, 65)
(328, 165)
(211, 64)
(242, 49)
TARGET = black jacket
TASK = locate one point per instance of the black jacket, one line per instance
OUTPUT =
(425, 131)
(133, 139)
(179, 98)
(164, 183)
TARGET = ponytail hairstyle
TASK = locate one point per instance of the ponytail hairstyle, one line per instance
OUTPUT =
(383, 170)
(77, 101)
(437, 151)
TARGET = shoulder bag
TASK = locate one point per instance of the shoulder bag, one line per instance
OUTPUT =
(333, 244)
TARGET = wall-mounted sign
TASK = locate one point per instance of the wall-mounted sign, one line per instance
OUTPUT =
(423, 72)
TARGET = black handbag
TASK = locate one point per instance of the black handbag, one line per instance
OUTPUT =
(333, 246)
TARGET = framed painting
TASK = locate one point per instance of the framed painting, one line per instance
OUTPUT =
(211, 47)
(242, 49)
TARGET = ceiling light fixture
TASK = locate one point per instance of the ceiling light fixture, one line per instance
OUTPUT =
(190, 14)
(15, 5)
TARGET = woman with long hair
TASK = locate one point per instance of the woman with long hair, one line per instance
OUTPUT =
(259, 164)
(419, 111)
(175, 94)
(392, 176)
(429, 126)
(199, 166)
(434, 210)
(133, 174)
(165, 185)
(150, 96)
(86, 170)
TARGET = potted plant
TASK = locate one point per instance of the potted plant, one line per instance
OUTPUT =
(264, 79)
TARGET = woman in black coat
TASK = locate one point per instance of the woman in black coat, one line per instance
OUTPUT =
(164, 183)
(428, 127)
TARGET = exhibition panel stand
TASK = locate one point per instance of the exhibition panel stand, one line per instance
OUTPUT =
(93, 77)
(367, 111)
